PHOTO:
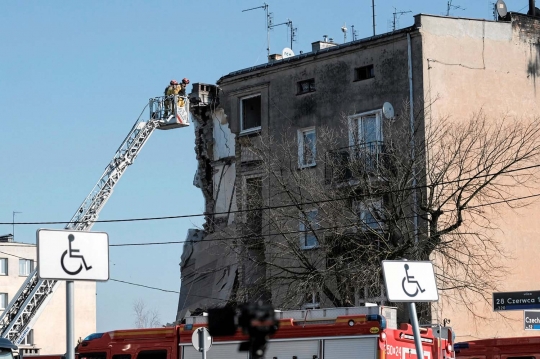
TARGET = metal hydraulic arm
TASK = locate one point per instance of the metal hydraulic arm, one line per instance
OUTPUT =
(26, 306)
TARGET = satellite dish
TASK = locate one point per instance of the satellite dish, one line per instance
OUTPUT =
(287, 53)
(501, 9)
(388, 110)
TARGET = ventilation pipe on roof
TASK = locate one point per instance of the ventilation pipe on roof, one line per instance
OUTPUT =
(532, 8)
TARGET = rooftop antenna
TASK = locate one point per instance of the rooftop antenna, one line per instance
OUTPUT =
(373, 15)
(13, 224)
(449, 7)
(353, 33)
(344, 30)
(397, 15)
(268, 24)
(289, 26)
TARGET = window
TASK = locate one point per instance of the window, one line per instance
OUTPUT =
(365, 128)
(370, 213)
(152, 354)
(253, 204)
(26, 266)
(366, 139)
(121, 356)
(364, 73)
(306, 147)
(250, 113)
(29, 338)
(309, 222)
(96, 355)
(3, 266)
(312, 300)
(3, 301)
(305, 86)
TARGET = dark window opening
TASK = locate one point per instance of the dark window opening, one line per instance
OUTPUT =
(364, 73)
(121, 356)
(251, 113)
(100, 355)
(305, 86)
(152, 354)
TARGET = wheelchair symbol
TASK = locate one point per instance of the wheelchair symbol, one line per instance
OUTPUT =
(410, 279)
(71, 252)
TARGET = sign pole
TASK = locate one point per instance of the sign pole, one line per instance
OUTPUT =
(416, 330)
(70, 348)
(202, 342)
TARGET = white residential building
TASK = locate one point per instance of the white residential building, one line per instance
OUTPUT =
(48, 336)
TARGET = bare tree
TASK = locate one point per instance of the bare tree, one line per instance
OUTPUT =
(322, 227)
(145, 318)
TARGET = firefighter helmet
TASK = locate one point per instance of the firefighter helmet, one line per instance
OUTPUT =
(185, 80)
(174, 82)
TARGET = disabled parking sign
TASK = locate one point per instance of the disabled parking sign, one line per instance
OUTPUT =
(73, 255)
(410, 281)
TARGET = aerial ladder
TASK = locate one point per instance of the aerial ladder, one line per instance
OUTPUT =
(167, 112)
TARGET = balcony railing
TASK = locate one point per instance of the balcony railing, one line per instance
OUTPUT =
(347, 163)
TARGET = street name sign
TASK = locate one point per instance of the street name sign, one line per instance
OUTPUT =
(73, 255)
(516, 300)
(531, 319)
(408, 281)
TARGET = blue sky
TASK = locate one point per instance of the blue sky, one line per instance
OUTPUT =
(74, 77)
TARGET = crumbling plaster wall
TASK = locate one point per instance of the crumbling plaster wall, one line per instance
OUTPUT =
(208, 264)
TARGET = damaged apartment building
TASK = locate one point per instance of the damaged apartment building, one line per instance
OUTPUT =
(313, 112)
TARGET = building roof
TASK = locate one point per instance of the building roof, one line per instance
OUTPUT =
(315, 53)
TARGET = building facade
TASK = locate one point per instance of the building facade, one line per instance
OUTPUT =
(307, 118)
(48, 336)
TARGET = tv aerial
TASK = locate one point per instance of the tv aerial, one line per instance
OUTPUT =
(344, 30)
(449, 7)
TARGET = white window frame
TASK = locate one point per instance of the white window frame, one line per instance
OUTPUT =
(4, 266)
(28, 267)
(301, 159)
(363, 208)
(305, 231)
(28, 339)
(4, 305)
(252, 129)
(355, 130)
(315, 301)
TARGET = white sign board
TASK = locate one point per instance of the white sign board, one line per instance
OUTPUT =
(408, 281)
(196, 340)
(73, 255)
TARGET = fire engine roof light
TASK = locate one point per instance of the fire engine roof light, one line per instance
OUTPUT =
(464, 345)
(377, 318)
(93, 336)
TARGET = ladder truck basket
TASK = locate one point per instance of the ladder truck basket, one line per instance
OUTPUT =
(170, 111)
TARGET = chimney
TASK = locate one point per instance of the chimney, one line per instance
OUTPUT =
(6, 238)
(274, 58)
(320, 45)
(532, 9)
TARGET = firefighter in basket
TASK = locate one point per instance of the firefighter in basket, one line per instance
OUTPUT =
(178, 89)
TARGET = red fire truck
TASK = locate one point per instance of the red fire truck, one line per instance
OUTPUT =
(499, 348)
(316, 335)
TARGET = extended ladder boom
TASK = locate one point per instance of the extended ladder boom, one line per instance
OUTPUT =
(25, 307)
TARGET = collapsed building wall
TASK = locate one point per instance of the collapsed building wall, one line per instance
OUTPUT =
(208, 267)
